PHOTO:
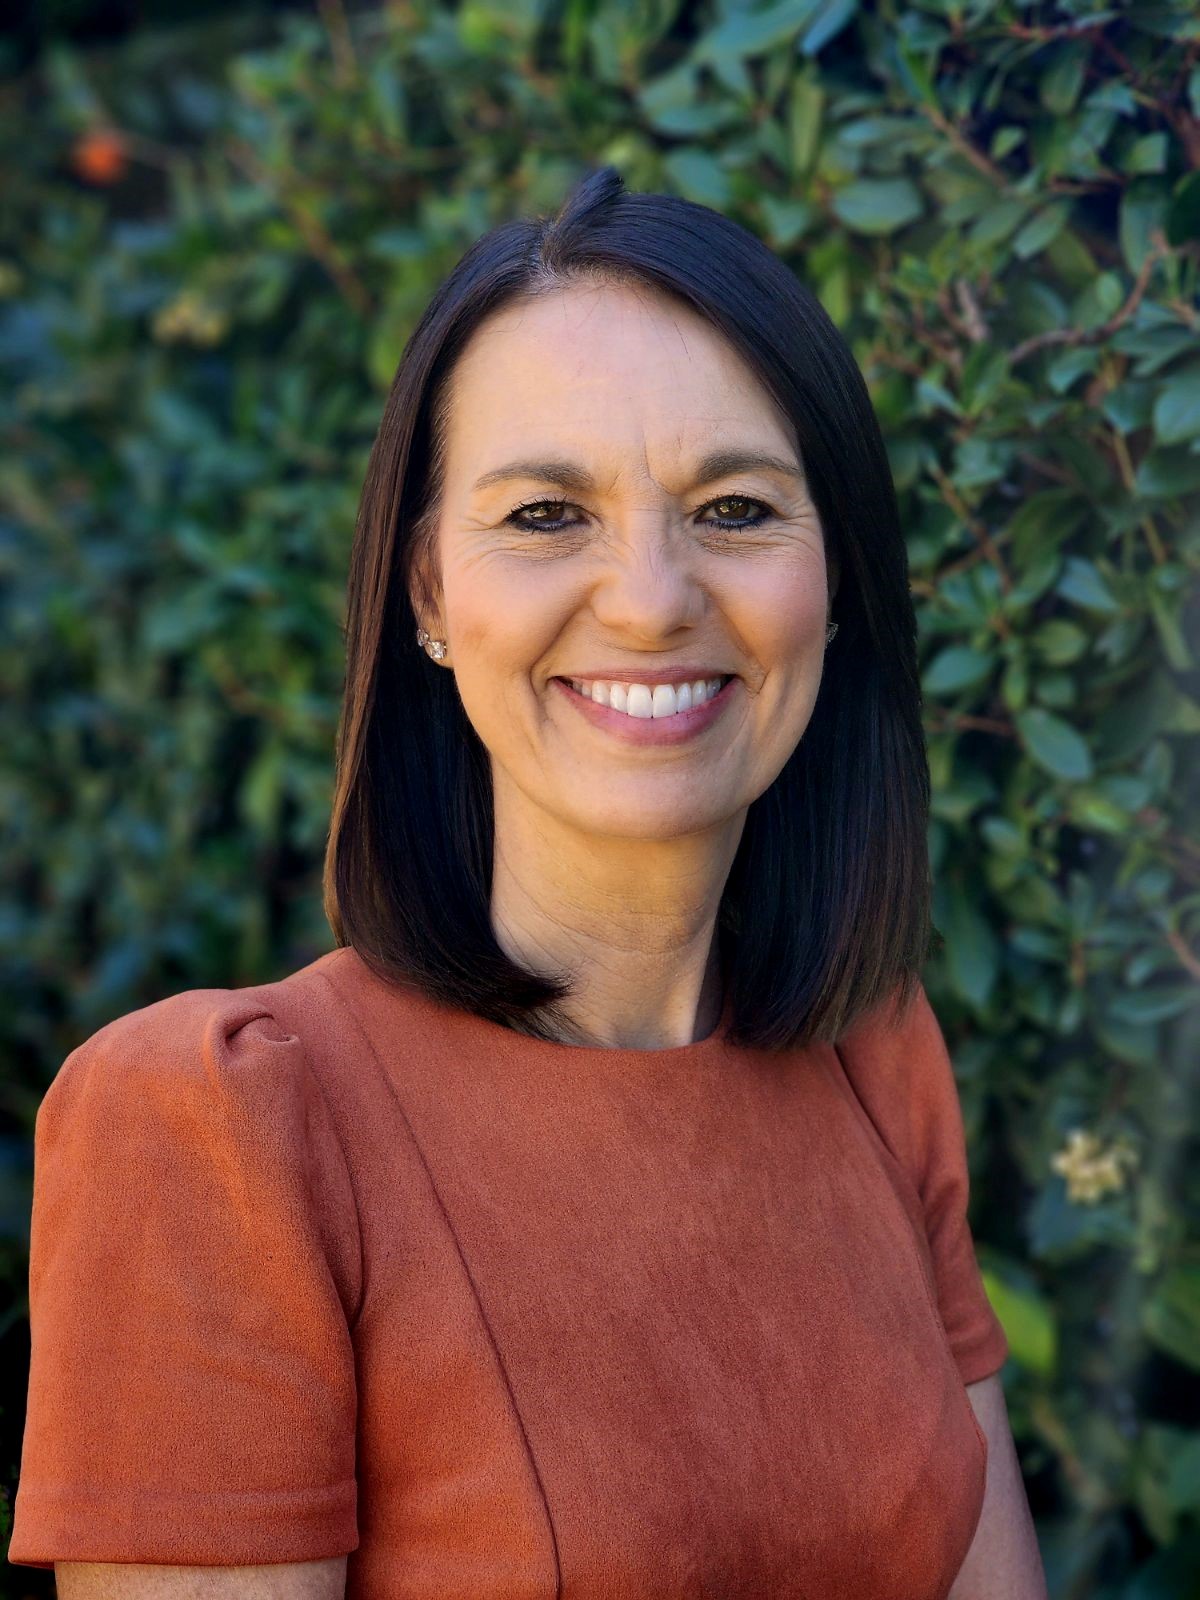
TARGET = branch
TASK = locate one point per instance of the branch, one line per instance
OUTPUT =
(315, 235)
(1077, 336)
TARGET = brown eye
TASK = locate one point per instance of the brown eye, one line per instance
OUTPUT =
(552, 525)
(741, 522)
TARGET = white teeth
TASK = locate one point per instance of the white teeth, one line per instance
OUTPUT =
(640, 702)
(648, 700)
(663, 700)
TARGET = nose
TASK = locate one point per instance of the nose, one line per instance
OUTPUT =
(649, 586)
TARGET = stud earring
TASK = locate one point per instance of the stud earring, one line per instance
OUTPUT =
(432, 647)
(830, 631)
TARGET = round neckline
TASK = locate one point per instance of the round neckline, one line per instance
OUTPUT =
(531, 1048)
(545, 1051)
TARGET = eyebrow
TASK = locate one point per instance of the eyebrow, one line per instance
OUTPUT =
(568, 475)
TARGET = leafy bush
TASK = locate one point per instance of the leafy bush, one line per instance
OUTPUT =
(215, 243)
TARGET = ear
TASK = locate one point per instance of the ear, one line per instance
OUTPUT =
(833, 574)
(425, 590)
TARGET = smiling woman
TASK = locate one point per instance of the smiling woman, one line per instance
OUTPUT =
(626, 446)
(593, 1220)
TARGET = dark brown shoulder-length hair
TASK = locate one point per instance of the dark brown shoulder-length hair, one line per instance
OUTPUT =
(827, 908)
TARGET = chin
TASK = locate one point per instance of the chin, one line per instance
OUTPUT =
(660, 820)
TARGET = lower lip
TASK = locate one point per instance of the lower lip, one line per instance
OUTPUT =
(650, 730)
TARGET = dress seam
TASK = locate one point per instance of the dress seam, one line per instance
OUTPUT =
(352, 1012)
(930, 1297)
(272, 994)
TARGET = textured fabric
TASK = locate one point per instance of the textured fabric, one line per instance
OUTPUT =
(321, 1266)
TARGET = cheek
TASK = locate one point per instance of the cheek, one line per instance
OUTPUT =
(502, 617)
(479, 614)
(779, 612)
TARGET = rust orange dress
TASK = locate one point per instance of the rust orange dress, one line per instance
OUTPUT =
(321, 1266)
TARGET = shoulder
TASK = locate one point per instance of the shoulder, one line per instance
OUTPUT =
(205, 1052)
(311, 1032)
(200, 1105)
(897, 1062)
(895, 1044)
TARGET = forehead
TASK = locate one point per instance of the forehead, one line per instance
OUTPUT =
(604, 369)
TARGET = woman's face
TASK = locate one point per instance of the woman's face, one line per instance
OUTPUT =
(621, 573)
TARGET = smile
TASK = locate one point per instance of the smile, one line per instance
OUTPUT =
(651, 713)
(649, 699)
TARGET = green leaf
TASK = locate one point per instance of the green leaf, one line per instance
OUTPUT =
(935, 396)
(1028, 1321)
(388, 98)
(1005, 838)
(1170, 1572)
(1059, 87)
(1054, 744)
(831, 18)
(998, 221)
(1042, 229)
(1152, 1005)
(698, 176)
(669, 91)
(1148, 154)
(972, 952)
(884, 133)
(1005, 141)
(1082, 584)
(1091, 810)
(1167, 619)
(752, 34)
(960, 667)
(1143, 208)
(1171, 1316)
(1102, 297)
(1059, 641)
(1125, 726)
(878, 205)
(1183, 714)
(1014, 685)
(1167, 473)
(262, 788)
(917, 51)
(1066, 367)
(1183, 214)
(1154, 345)
(733, 74)
(1043, 520)
(786, 220)
(808, 100)
(1177, 409)
(1130, 404)
(1112, 96)
(1037, 943)
(1179, 1451)
(695, 121)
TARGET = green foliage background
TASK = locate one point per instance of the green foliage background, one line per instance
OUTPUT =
(999, 203)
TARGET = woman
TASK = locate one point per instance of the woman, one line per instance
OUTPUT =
(593, 1220)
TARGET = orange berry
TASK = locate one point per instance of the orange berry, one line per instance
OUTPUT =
(99, 156)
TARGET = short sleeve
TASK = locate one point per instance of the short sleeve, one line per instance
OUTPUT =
(900, 1069)
(194, 1270)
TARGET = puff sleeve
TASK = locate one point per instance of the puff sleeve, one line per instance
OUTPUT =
(194, 1271)
(900, 1069)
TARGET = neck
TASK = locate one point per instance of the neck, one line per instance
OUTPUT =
(631, 922)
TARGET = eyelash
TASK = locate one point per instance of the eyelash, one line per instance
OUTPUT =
(731, 525)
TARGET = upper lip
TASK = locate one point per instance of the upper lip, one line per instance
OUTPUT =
(649, 675)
